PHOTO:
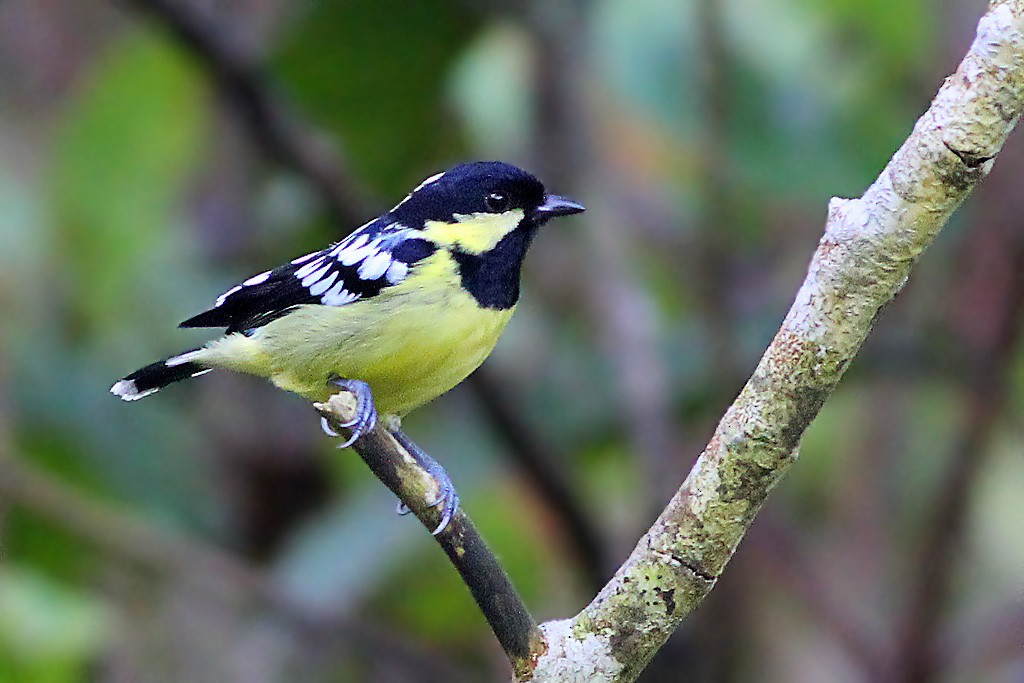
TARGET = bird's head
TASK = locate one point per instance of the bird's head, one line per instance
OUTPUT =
(471, 208)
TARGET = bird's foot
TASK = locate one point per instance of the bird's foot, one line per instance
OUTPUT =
(447, 498)
(326, 426)
(365, 419)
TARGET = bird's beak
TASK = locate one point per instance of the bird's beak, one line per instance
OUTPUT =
(555, 205)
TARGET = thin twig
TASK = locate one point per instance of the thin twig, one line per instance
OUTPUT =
(516, 630)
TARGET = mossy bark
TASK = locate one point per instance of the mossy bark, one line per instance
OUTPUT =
(861, 263)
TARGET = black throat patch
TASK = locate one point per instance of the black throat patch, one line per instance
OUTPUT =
(493, 277)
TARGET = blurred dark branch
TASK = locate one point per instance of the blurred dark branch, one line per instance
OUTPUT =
(266, 118)
(494, 593)
(709, 256)
(712, 248)
(990, 322)
(780, 553)
(543, 466)
(23, 484)
(165, 553)
(262, 112)
(625, 316)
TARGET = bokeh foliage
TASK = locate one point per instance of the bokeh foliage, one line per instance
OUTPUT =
(131, 193)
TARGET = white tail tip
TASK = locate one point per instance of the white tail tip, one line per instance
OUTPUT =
(127, 391)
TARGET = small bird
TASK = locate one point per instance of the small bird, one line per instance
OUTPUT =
(397, 313)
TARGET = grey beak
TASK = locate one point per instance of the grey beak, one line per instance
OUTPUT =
(555, 205)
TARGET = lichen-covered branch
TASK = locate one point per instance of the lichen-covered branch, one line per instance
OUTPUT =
(862, 262)
(494, 593)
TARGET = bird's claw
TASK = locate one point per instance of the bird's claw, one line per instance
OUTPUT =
(447, 499)
(365, 418)
(448, 502)
(326, 426)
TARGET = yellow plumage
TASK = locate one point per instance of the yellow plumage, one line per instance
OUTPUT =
(410, 343)
(410, 304)
(398, 313)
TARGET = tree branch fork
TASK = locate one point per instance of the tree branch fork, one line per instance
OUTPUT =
(862, 261)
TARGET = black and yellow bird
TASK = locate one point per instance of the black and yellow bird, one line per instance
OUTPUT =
(398, 313)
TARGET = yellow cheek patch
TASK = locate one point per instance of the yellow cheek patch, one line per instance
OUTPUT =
(474, 233)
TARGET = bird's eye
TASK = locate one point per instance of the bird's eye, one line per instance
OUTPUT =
(496, 202)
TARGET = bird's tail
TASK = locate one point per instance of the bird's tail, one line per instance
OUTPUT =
(156, 376)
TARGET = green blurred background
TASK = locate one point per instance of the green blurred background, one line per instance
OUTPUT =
(155, 152)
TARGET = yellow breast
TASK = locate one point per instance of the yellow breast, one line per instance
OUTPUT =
(410, 343)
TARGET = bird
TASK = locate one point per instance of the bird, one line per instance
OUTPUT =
(397, 313)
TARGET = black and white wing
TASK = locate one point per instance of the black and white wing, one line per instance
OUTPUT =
(359, 267)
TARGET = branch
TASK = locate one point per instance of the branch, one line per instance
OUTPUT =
(494, 593)
(265, 118)
(711, 254)
(861, 263)
(543, 467)
(167, 554)
(784, 560)
(623, 314)
(131, 540)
